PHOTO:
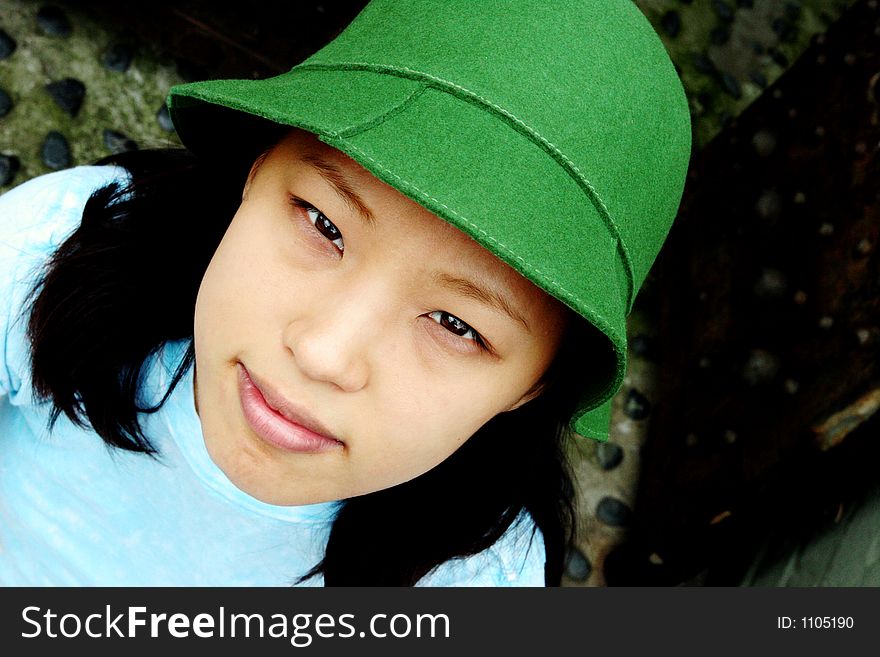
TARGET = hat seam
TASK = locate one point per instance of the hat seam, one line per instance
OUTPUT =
(548, 279)
(379, 119)
(518, 124)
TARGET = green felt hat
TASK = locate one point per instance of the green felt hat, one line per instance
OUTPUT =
(554, 133)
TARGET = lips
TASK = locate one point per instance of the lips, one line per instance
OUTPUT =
(277, 421)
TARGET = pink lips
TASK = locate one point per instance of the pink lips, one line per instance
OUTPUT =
(275, 420)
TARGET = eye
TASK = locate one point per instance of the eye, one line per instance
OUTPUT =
(457, 327)
(320, 221)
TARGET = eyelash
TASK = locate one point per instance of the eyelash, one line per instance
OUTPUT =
(310, 209)
(477, 339)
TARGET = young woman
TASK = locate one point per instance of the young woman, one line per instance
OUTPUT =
(344, 337)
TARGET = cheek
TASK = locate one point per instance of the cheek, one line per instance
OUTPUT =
(438, 416)
(434, 430)
(238, 284)
(212, 307)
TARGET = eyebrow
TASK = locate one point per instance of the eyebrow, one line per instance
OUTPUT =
(333, 175)
(487, 297)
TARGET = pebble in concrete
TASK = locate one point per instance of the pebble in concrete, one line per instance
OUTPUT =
(609, 454)
(5, 103)
(758, 78)
(703, 64)
(731, 85)
(52, 21)
(613, 512)
(117, 58)
(642, 346)
(55, 152)
(164, 119)
(7, 44)
(784, 30)
(117, 142)
(723, 10)
(577, 566)
(636, 406)
(68, 94)
(719, 35)
(779, 58)
(671, 23)
(9, 166)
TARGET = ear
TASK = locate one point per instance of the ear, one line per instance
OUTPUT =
(531, 394)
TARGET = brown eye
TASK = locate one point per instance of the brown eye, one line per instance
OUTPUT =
(454, 325)
(325, 227)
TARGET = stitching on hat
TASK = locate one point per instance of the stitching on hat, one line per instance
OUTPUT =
(519, 125)
(353, 130)
(549, 280)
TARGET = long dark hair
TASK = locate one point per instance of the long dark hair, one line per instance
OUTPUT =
(125, 282)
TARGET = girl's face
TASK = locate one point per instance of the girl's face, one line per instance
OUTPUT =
(337, 302)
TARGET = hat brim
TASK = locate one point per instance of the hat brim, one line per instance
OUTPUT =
(461, 162)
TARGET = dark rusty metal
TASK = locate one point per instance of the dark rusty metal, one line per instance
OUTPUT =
(768, 300)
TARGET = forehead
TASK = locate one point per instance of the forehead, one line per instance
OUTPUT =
(300, 149)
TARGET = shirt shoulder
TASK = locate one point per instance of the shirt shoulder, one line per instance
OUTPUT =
(35, 218)
(516, 559)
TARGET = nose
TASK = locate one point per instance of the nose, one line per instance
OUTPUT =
(332, 332)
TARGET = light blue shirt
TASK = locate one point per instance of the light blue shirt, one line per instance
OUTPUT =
(74, 511)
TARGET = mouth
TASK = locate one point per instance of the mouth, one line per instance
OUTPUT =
(277, 421)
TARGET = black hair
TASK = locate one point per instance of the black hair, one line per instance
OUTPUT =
(125, 282)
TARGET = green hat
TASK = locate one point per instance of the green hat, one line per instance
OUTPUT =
(555, 133)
